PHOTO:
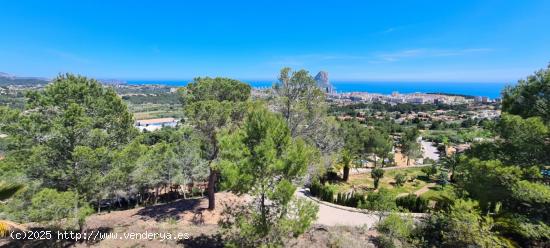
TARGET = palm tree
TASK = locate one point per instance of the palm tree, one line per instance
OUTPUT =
(450, 163)
(377, 174)
(6, 192)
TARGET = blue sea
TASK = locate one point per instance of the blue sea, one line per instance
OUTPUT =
(491, 90)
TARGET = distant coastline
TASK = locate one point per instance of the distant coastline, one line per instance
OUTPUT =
(470, 89)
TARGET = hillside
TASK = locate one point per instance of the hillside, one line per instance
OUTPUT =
(7, 79)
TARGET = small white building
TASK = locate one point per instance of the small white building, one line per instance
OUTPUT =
(155, 124)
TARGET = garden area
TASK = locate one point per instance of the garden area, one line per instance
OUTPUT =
(407, 189)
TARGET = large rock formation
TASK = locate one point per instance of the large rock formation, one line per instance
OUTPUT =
(323, 82)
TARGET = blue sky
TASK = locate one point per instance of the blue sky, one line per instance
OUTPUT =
(470, 41)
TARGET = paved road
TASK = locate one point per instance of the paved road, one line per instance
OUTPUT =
(334, 215)
(429, 150)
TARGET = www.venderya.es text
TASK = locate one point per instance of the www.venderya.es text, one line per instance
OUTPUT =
(96, 235)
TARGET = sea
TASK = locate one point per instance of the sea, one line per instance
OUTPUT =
(489, 89)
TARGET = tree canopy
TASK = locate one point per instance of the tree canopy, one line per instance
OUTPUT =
(263, 160)
(530, 97)
(211, 104)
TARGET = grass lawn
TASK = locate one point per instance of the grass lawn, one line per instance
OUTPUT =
(439, 192)
(365, 183)
(150, 111)
(158, 114)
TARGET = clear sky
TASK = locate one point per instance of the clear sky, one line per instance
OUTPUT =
(467, 40)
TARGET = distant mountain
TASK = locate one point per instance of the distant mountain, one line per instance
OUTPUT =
(323, 82)
(3, 74)
(112, 81)
(8, 79)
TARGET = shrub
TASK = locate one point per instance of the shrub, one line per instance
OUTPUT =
(377, 174)
(354, 200)
(442, 178)
(324, 192)
(196, 191)
(327, 193)
(51, 205)
(413, 203)
(429, 170)
(331, 176)
(428, 161)
(394, 229)
(400, 179)
(383, 200)
(315, 188)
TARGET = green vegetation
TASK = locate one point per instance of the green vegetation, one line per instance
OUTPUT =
(356, 192)
(302, 105)
(6, 81)
(377, 174)
(530, 97)
(212, 104)
(402, 108)
(261, 159)
(409, 145)
(75, 144)
(171, 99)
(413, 203)
(51, 205)
(74, 147)
(6, 192)
(395, 231)
(501, 197)
(415, 180)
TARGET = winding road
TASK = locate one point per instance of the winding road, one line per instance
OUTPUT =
(335, 215)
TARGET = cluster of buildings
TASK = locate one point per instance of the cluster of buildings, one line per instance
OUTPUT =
(437, 115)
(397, 98)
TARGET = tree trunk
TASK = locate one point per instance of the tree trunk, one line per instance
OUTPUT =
(263, 211)
(156, 194)
(99, 205)
(76, 210)
(211, 189)
(346, 173)
(452, 178)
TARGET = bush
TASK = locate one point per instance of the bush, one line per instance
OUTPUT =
(383, 200)
(51, 205)
(324, 192)
(442, 178)
(377, 174)
(400, 179)
(315, 188)
(331, 176)
(428, 161)
(413, 203)
(350, 199)
(395, 229)
(196, 192)
(429, 170)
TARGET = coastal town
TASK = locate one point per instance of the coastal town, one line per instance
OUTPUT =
(270, 124)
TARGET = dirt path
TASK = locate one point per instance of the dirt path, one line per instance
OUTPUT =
(424, 189)
(356, 171)
(420, 191)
